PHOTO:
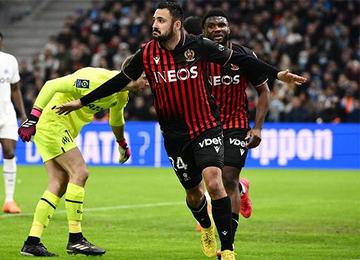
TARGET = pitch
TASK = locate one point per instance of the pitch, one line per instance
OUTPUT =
(139, 213)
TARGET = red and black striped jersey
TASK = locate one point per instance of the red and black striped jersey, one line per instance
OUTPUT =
(178, 81)
(229, 85)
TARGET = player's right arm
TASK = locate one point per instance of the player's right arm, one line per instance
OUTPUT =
(63, 84)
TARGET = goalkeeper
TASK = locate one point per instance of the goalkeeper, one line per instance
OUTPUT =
(54, 138)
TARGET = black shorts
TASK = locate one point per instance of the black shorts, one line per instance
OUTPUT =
(235, 148)
(188, 159)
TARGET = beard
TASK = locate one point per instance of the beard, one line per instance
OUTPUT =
(165, 36)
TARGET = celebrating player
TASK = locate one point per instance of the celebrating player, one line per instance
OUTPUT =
(222, 86)
(9, 76)
(54, 138)
(175, 65)
(229, 85)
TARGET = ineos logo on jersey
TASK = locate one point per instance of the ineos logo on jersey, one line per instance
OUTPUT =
(174, 75)
(226, 80)
(237, 142)
(210, 141)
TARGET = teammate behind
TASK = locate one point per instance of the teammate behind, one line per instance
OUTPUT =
(229, 85)
(175, 66)
(9, 88)
(225, 84)
(65, 166)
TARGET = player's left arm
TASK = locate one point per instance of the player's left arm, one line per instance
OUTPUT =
(253, 136)
(18, 100)
(220, 54)
(259, 82)
(15, 90)
(117, 123)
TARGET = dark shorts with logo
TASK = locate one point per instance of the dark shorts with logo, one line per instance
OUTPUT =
(190, 158)
(235, 148)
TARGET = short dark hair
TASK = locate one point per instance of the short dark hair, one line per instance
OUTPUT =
(174, 8)
(192, 25)
(1, 36)
(214, 12)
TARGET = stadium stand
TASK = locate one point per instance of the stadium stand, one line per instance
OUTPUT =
(319, 39)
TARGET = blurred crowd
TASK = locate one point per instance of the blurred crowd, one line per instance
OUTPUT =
(318, 39)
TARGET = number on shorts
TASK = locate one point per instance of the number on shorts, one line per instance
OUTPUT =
(179, 163)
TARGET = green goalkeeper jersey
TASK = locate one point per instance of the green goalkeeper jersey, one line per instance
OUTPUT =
(74, 86)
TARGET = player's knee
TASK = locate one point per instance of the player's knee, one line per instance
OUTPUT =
(83, 175)
(79, 177)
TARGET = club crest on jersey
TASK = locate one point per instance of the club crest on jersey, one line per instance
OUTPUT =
(156, 59)
(82, 83)
(189, 55)
(234, 67)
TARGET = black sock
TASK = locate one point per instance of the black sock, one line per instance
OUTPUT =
(221, 210)
(73, 237)
(32, 240)
(234, 222)
(201, 214)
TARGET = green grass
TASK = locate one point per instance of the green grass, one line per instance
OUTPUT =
(298, 214)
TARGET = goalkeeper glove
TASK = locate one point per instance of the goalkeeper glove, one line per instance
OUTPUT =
(28, 128)
(124, 150)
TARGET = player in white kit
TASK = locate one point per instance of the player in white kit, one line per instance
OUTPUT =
(9, 77)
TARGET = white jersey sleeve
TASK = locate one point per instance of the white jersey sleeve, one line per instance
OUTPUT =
(15, 69)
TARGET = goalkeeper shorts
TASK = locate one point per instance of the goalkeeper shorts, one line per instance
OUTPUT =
(53, 139)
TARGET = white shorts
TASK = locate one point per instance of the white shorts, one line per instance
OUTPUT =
(8, 124)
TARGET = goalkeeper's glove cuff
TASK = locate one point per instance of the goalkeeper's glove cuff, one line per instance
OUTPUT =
(35, 114)
(28, 128)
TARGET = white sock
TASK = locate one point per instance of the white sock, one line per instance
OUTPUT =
(9, 178)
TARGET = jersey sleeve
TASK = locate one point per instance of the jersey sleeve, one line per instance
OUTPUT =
(220, 54)
(257, 79)
(16, 76)
(215, 52)
(117, 111)
(63, 84)
(135, 67)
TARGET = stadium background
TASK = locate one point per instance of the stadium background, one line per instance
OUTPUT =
(308, 214)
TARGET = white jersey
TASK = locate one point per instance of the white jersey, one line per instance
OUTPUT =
(9, 74)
